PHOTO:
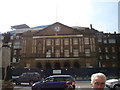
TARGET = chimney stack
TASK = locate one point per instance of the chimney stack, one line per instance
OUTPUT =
(90, 26)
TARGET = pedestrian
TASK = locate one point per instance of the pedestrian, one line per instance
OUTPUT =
(98, 81)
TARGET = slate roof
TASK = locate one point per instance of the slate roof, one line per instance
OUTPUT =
(20, 26)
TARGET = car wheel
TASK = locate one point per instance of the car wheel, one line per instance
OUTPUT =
(18, 83)
(116, 87)
(31, 83)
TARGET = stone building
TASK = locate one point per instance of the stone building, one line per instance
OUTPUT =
(59, 46)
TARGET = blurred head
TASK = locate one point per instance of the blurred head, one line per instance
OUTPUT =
(98, 81)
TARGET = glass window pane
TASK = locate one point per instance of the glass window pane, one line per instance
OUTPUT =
(86, 40)
(48, 42)
(75, 41)
(66, 41)
(57, 42)
(105, 41)
(75, 53)
(66, 53)
(57, 53)
(112, 41)
(87, 52)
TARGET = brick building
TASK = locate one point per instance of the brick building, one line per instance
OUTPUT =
(108, 49)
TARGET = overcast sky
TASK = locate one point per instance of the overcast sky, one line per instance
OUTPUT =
(102, 14)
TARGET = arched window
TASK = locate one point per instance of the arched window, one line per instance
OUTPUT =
(39, 65)
(66, 64)
(48, 65)
(76, 65)
(57, 65)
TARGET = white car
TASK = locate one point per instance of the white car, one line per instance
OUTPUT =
(113, 84)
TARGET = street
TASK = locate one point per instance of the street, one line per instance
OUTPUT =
(22, 87)
(80, 85)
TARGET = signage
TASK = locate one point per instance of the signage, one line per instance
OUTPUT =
(56, 71)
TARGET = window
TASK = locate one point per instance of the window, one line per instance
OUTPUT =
(48, 42)
(106, 49)
(15, 52)
(66, 53)
(105, 41)
(103, 65)
(100, 57)
(112, 41)
(75, 41)
(86, 40)
(88, 65)
(113, 57)
(113, 65)
(11, 37)
(92, 41)
(14, 60)
(75, 53)
(39, 48)
(17, 44)
(87, 52)
(33, 46)
(57, 41)
(99, 49)
(1, 37)
(106, 57)
(57, 53)
(28, 65)
(99, 40)
(105, 36)
(66, 41)
(24, 46)
(48, 53)
(113, 49)
(17, 37)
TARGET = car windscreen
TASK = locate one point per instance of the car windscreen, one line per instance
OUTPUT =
(62, 79)
(29, 75)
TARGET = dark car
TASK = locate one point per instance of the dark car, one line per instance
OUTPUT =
(28, 77)
(55, 82)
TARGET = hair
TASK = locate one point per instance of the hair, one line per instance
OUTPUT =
(97, 75)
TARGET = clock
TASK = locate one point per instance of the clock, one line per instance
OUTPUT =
(57, 28)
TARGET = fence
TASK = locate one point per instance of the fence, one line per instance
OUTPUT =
(79, 74)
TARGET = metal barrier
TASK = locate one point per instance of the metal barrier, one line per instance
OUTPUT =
(80, 74)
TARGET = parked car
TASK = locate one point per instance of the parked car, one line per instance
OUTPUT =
(55, 82)
(28, 77)
(113, 84)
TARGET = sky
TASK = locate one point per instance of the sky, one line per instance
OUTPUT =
(102, 14)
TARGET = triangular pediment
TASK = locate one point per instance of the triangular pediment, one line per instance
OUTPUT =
(57, 28)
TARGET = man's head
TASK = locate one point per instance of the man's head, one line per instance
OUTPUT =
(98, 81)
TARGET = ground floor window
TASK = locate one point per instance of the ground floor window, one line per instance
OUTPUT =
(39, 65)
